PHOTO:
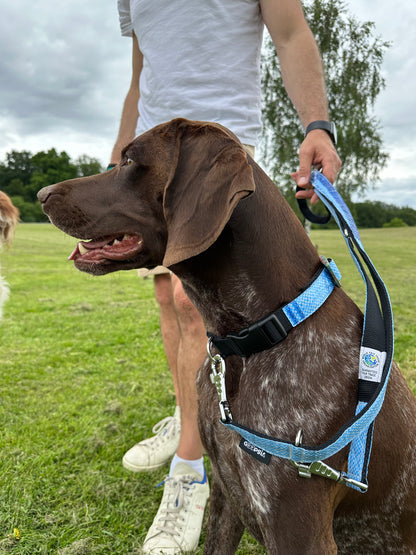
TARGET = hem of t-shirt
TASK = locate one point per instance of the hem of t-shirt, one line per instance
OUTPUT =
(249, 141)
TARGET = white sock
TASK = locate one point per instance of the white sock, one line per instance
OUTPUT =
(197, 465)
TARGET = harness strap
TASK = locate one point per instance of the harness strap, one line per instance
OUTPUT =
(374, 366)
(377, 343)
(272, 329)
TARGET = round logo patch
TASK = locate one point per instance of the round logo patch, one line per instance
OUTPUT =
(371, 360)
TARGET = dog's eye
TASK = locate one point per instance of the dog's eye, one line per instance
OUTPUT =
(129, 161)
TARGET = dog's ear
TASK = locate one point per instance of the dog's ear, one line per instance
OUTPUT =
(212, 175)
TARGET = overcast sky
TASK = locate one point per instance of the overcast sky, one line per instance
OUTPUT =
(65, 69)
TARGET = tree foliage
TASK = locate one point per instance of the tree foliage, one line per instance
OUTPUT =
(23, 174)
(352, 56)
(378, 214)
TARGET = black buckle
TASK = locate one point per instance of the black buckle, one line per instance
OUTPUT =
(259, 336)
(262, 335)
(271, 327)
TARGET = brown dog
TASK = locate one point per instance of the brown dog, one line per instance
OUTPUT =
(186, 195)
(9, 216)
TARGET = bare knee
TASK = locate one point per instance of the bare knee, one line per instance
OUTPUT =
(187, 314)
(163, 290)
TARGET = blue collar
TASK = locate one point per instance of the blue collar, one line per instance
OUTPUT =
(376, 357)
(272, 329)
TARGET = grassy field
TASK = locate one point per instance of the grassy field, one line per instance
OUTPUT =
(83, 377)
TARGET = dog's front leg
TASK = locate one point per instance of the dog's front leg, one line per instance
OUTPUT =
(224, 527)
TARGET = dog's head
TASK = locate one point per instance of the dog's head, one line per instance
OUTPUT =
(168, 200)
(9, 216)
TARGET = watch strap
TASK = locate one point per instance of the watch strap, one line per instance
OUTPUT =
(327, 126)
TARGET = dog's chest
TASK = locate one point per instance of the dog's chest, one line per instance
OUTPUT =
(272, 403)
(283, 389)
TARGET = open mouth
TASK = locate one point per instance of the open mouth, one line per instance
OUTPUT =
(115, 248)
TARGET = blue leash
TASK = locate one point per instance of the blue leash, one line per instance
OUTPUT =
(376, 356)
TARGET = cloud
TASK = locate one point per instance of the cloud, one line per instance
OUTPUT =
(65, 70)
(396, 105)
(401, 192)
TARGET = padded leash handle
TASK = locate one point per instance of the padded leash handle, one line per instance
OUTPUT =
(307, 212)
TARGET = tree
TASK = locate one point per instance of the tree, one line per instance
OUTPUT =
(88, 166)
(378, 214)
(49, 167)
(16, 169)
(395, 222)
(352, 58)
(29, 211)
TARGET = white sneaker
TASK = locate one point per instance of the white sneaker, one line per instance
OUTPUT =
(178, 522)
(157, 450)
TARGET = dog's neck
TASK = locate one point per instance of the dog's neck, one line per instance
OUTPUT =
(233, 280)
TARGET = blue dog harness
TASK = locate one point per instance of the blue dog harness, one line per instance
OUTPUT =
(376, 356)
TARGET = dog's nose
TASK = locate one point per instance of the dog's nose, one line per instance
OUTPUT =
(44, 193)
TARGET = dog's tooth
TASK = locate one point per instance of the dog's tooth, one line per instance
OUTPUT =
(82, 249)
(116, 242)
(126, 236)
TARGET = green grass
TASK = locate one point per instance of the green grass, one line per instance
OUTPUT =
(84, 376)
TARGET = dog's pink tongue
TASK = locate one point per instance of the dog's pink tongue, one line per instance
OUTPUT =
(122, 250)
(82, 248)
(73, 253)
(108, 249)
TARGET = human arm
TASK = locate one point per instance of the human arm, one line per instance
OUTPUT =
(303, 77)
(130, 111)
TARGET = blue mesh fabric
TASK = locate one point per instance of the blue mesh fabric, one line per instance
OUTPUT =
(310, 300)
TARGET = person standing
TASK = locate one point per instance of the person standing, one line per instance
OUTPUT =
(200, 59)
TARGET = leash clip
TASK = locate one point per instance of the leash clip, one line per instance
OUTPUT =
(319, 468)
(218, 379)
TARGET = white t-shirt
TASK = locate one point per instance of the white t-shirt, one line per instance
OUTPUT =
(201, 60)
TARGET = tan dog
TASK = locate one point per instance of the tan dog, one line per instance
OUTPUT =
(9, 216)
(187, 195)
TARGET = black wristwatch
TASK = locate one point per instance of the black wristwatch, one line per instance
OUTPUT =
(328, 126)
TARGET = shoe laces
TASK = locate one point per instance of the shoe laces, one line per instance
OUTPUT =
(171, 518)
(165, 426)
(163, 430)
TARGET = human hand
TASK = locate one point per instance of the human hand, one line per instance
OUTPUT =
(318, 151)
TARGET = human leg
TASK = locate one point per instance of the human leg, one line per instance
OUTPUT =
(168, 325)
(178, 522)
(191, 355)
(157, 450)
